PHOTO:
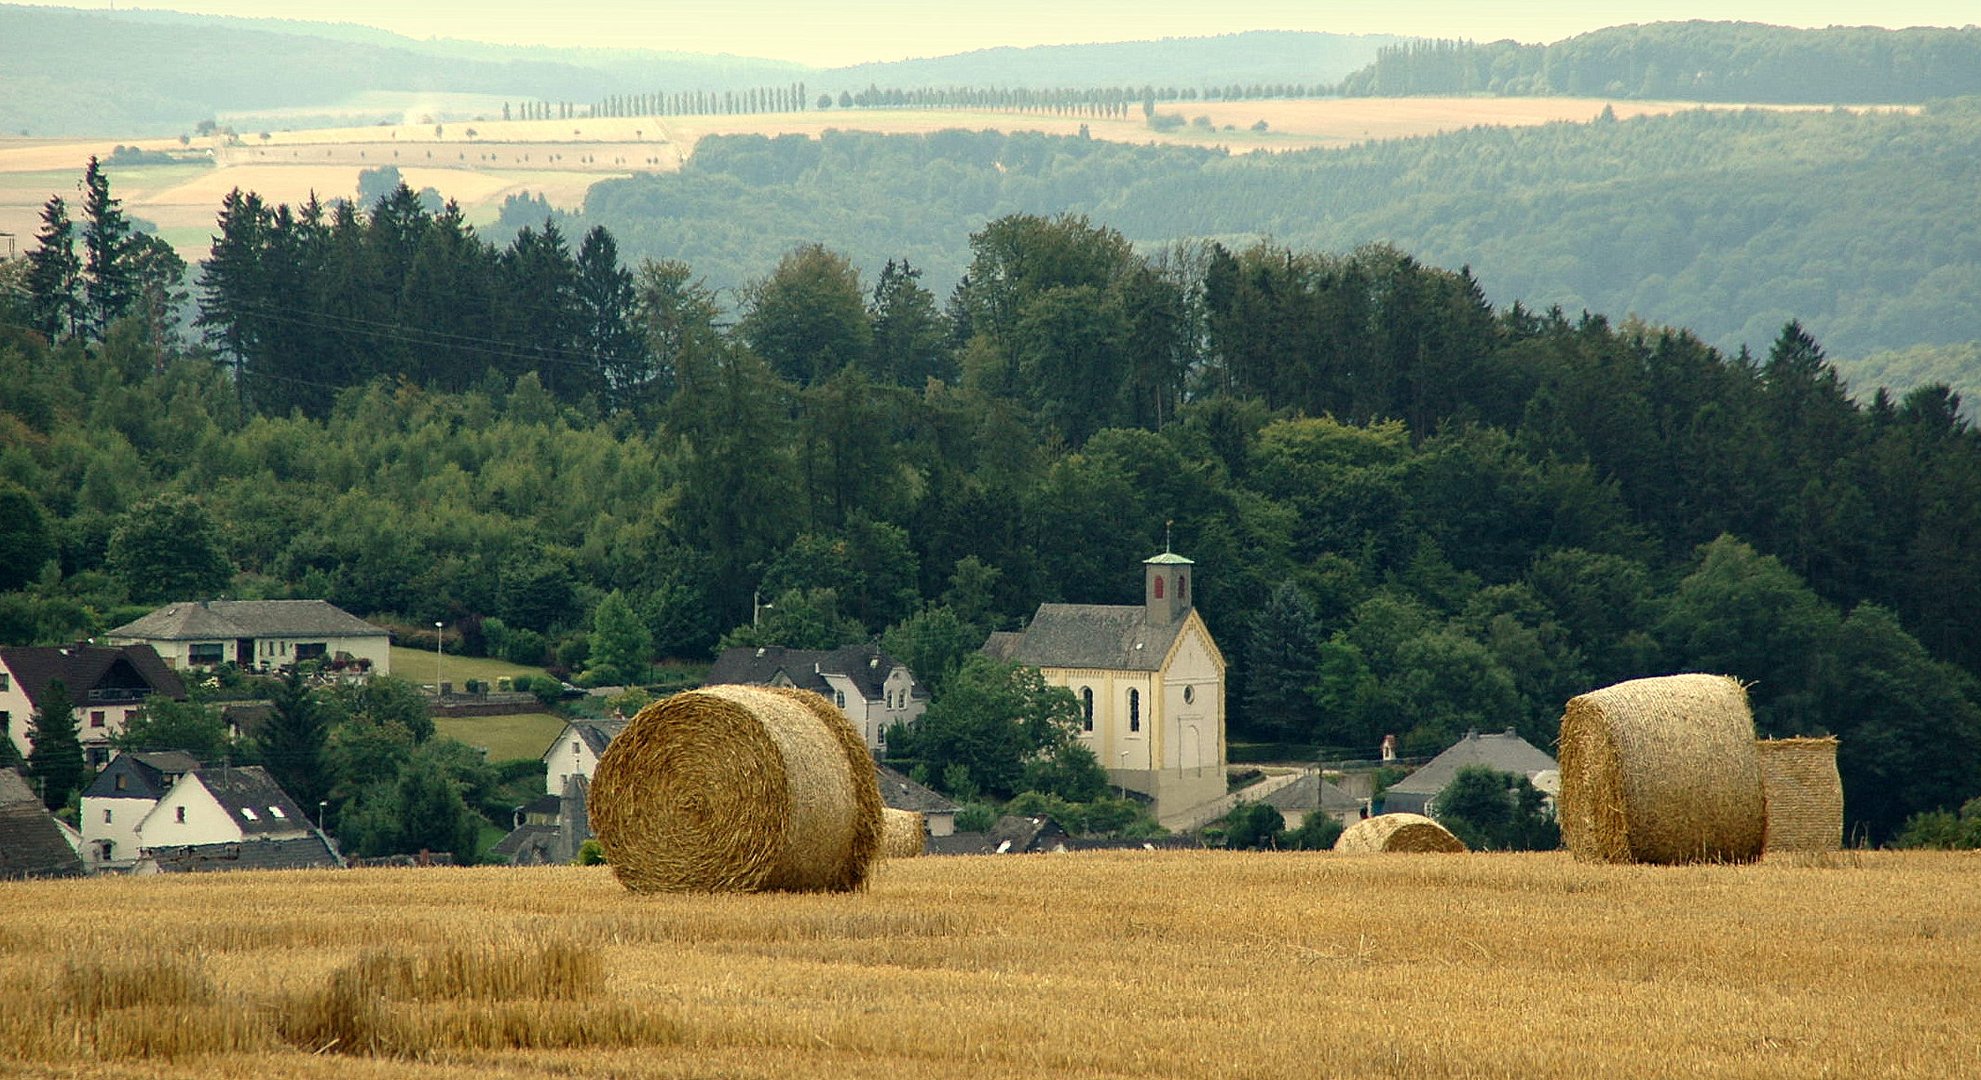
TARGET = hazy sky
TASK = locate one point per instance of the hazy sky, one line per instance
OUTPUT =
(834, 32)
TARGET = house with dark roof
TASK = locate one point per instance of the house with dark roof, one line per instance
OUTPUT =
(873, 689)
(218, 817)
(1505, 752)
(259, 634)
(576, 750)
(1011, 835)
(117, 801)
(1150, 682)
(32, 842)
(108, 685)
(898, 792)
(1313, 794)
(549, 829)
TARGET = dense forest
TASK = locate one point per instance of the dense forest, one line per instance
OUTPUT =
(1693, 61)
(1731, 223)
(1414, 511)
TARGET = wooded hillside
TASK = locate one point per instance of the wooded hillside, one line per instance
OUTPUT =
(1413, 511)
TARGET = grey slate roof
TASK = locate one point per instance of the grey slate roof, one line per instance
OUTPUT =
(529, 845)
(1012, 835)
(1505, 752)
(901, 793)
(210, 619)
(293, 853)
(865, 665)
(146, 775)
(249, 787)
(31, 843)
(83, 668)
(598, 734)
(1312, 792)
(1111, 637)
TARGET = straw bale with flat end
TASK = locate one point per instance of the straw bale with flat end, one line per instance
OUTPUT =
(1661, 770)
(1397, 832)
(902, 834)
(737, 789)
(1803, 793)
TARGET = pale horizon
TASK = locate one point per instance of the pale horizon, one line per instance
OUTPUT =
(860, 31)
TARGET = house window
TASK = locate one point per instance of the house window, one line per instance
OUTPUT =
(1134, 710)
(6, 682)
(1158, 586)
(1086, 708)
(839, 698)
(574, 748)
(121, 781)
(205, 653)
(179, 814)
(130, 715)
(316, 650)
(106, 817)
(96, 718)
(98, 755)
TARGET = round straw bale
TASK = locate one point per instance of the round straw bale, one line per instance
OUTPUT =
(1803, 792)
(902, 834)
(1661, 770)
(737, 789)
(1397, 832)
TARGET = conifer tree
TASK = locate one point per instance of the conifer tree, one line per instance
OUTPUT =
(55, 273)
(107, 286)
(56, 759)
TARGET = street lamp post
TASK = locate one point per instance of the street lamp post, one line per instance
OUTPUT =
(758, 607)
(436, 659)
(319, 813)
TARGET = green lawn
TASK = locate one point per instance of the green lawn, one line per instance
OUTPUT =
(417, 665)
(526, 735)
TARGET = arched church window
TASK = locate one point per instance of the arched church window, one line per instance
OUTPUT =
(1158, 586)
(1134, 710)
(1182, 587)
(1087, 708)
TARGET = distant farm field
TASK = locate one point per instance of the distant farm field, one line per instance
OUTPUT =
(480, 163)
(1119, 964)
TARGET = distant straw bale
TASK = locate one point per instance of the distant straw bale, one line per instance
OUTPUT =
(1803, 792)
(1398, 833)
(1661, 770)
(738, 789)
(902, 834)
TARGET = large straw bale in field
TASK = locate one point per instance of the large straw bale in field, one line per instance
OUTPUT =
(1397, 832)
(1803, 793)
(1661, 770)
(738, 789)
(903, 835)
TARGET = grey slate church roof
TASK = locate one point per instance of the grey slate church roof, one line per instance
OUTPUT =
(1111, 637)
(209, 619)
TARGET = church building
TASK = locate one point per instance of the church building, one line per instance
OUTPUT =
(1150, 682)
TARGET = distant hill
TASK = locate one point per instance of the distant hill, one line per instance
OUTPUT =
(1730, 222)
(1262, 56)
(1694, 61)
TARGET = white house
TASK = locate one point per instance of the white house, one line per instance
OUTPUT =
(575, 752)
(1150, 681)
(1504, 752)
(259, 634)
(108, 684)
(221, 804)
(873, 689)
(119, 799)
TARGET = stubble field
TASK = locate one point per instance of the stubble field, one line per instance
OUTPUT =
(1119, 964)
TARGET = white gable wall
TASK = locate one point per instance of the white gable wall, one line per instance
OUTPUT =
(206, 821)
(569, 756)
(123, 814)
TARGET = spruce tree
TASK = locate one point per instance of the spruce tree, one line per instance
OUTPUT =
(57, 757)
(55, 273)
(107, 289)
(291, 741)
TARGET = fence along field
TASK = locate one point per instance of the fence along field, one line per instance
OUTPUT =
(1173, 964)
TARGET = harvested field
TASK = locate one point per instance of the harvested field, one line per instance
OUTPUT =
(1180, 964)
